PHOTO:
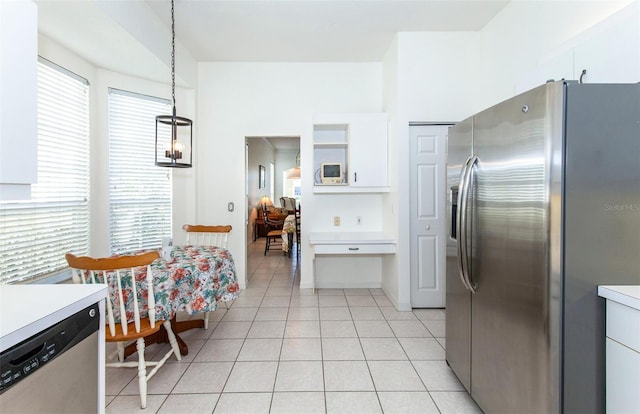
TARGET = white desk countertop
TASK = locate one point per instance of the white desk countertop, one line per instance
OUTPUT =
(628, 295)
(26, 310)
(372, 237)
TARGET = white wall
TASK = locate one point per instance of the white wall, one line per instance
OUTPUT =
(428, 79)
(437, 77)
(389, 277)
(236, 100)
(260, 153)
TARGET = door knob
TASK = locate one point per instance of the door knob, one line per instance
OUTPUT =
(427, 227)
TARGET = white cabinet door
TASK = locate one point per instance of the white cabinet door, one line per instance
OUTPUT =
(610, 52)
(428, 158)
(368, 151)
(623, 378)
(18, 100)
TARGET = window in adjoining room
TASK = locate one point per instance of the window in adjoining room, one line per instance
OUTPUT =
(139, 191)
(35, 234)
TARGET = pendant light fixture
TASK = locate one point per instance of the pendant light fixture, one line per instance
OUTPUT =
(174, 134)
(294, 173)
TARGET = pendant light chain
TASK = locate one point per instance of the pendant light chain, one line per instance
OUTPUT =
(176, 153)
(173, 58)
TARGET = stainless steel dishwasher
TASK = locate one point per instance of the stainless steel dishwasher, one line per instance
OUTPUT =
(55, 370)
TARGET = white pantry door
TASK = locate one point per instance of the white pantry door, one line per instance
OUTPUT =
(428, 159)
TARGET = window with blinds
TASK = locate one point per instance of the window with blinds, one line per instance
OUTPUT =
(139, 191)
(35, 234)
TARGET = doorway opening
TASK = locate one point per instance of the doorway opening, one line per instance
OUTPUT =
(279, 157)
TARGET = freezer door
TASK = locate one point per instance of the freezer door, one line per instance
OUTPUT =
(458, 298)
(602, 227)
(514, 351)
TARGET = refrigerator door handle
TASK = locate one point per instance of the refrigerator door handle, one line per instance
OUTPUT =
(460, 213)
(463, 252)
(469, 186)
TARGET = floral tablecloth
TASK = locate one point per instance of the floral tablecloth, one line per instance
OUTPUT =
(194, 280)
(288, 228)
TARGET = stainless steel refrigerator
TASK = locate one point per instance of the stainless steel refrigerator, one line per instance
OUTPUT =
(543, 206)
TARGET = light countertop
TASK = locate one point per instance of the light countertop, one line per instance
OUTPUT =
(26, 310)
(351, 238)
(628, 295)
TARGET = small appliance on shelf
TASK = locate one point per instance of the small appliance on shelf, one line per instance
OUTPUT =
(331, 173)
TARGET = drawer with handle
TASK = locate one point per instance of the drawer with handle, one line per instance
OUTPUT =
(354, 248)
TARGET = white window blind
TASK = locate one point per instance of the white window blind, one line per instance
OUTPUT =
(139, 191)
(35, 234)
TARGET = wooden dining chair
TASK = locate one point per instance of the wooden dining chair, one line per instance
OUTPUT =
(298, 219)
(120, 274)
(207, 235)
(272, 230)
(288, 203)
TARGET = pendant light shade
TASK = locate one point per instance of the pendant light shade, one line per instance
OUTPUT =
(174, 134)
(294, 173)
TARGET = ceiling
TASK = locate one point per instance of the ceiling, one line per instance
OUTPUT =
(284, 143)
(312, 30)
(132, 36)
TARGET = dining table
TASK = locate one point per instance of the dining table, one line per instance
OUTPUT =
(288, 229)
(191, 279)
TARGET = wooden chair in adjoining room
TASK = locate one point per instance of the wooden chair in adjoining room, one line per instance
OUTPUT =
(297, 215)
(201, 235)
(120, 274)
(272, 230)
(288, 203)
(207, 235)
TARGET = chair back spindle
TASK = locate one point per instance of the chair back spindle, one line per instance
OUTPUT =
(207, 235)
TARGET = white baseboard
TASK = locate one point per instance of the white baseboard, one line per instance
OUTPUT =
(400, 306)
(347, 285)
(306, 285)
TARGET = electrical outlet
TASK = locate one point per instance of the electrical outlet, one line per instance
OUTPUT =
(336, 221)
(359, 220)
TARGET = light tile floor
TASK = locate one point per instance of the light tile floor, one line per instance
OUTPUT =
(279, 349)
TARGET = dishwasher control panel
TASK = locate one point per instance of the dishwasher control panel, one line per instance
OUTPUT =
(26, 357)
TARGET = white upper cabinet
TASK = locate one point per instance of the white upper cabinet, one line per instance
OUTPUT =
(18, 98)
(368, 151)
(355, 144)
(610, 51)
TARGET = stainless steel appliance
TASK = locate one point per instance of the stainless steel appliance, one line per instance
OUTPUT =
(54, 371)
(544, 205)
